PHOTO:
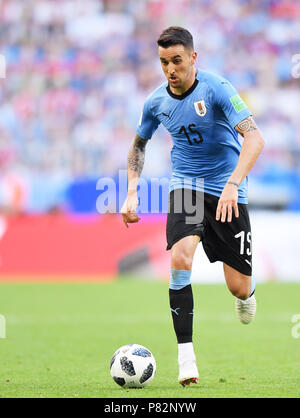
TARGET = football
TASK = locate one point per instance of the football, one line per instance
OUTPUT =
(132, 366)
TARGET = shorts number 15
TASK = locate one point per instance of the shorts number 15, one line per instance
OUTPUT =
(243, 245)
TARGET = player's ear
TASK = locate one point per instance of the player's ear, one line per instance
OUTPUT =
(194, 57)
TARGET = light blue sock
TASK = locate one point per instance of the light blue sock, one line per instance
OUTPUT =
(253, 284)
(180, 279)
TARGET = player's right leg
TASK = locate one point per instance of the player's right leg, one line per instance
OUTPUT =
(182, 305)
(183, 235)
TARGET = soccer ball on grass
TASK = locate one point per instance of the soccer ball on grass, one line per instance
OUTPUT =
(132, 366)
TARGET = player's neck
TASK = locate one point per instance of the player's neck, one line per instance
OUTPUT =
(182, 89)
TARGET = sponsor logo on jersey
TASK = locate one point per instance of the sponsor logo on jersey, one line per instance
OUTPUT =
(200, 108)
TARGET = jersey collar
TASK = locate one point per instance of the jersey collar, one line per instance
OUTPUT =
(185, 94)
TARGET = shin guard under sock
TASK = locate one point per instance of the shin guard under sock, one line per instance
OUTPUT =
(182, 305)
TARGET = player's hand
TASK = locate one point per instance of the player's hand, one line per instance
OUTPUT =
(228, 203)
(128, 210)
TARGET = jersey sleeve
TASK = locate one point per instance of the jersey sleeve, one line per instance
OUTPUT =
(231, 103)
(148, 123)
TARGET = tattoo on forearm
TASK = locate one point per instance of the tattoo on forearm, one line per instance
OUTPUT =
(136, 155)
(247, 125)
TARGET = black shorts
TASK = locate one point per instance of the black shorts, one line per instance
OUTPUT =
(229, 242)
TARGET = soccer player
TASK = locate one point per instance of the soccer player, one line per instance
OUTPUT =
(203, 113)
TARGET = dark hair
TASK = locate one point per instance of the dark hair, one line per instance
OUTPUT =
(175, 35)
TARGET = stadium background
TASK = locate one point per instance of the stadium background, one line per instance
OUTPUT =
(77, 73)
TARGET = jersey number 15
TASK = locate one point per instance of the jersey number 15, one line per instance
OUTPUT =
(191, 130)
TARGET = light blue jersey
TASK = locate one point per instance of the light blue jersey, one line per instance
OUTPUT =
(201, 123)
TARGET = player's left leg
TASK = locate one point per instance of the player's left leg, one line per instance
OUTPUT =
(230, 242)
(242, 287)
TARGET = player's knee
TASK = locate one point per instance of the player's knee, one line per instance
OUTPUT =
(181, 261)
(240, 292)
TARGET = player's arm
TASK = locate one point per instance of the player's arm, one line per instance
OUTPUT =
(135, 164)
(251, 148)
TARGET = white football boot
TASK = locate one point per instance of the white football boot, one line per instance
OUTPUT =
(188, 371)
(245, 309)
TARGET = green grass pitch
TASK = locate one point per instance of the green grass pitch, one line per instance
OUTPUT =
(60, 339)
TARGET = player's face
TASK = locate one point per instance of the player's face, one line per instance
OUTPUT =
(178, 66)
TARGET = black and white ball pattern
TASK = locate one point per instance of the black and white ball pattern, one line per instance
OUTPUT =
(132, 366)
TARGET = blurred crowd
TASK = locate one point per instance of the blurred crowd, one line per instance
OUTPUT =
(78, 72)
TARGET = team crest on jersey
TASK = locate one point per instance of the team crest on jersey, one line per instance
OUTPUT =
(200, 108)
